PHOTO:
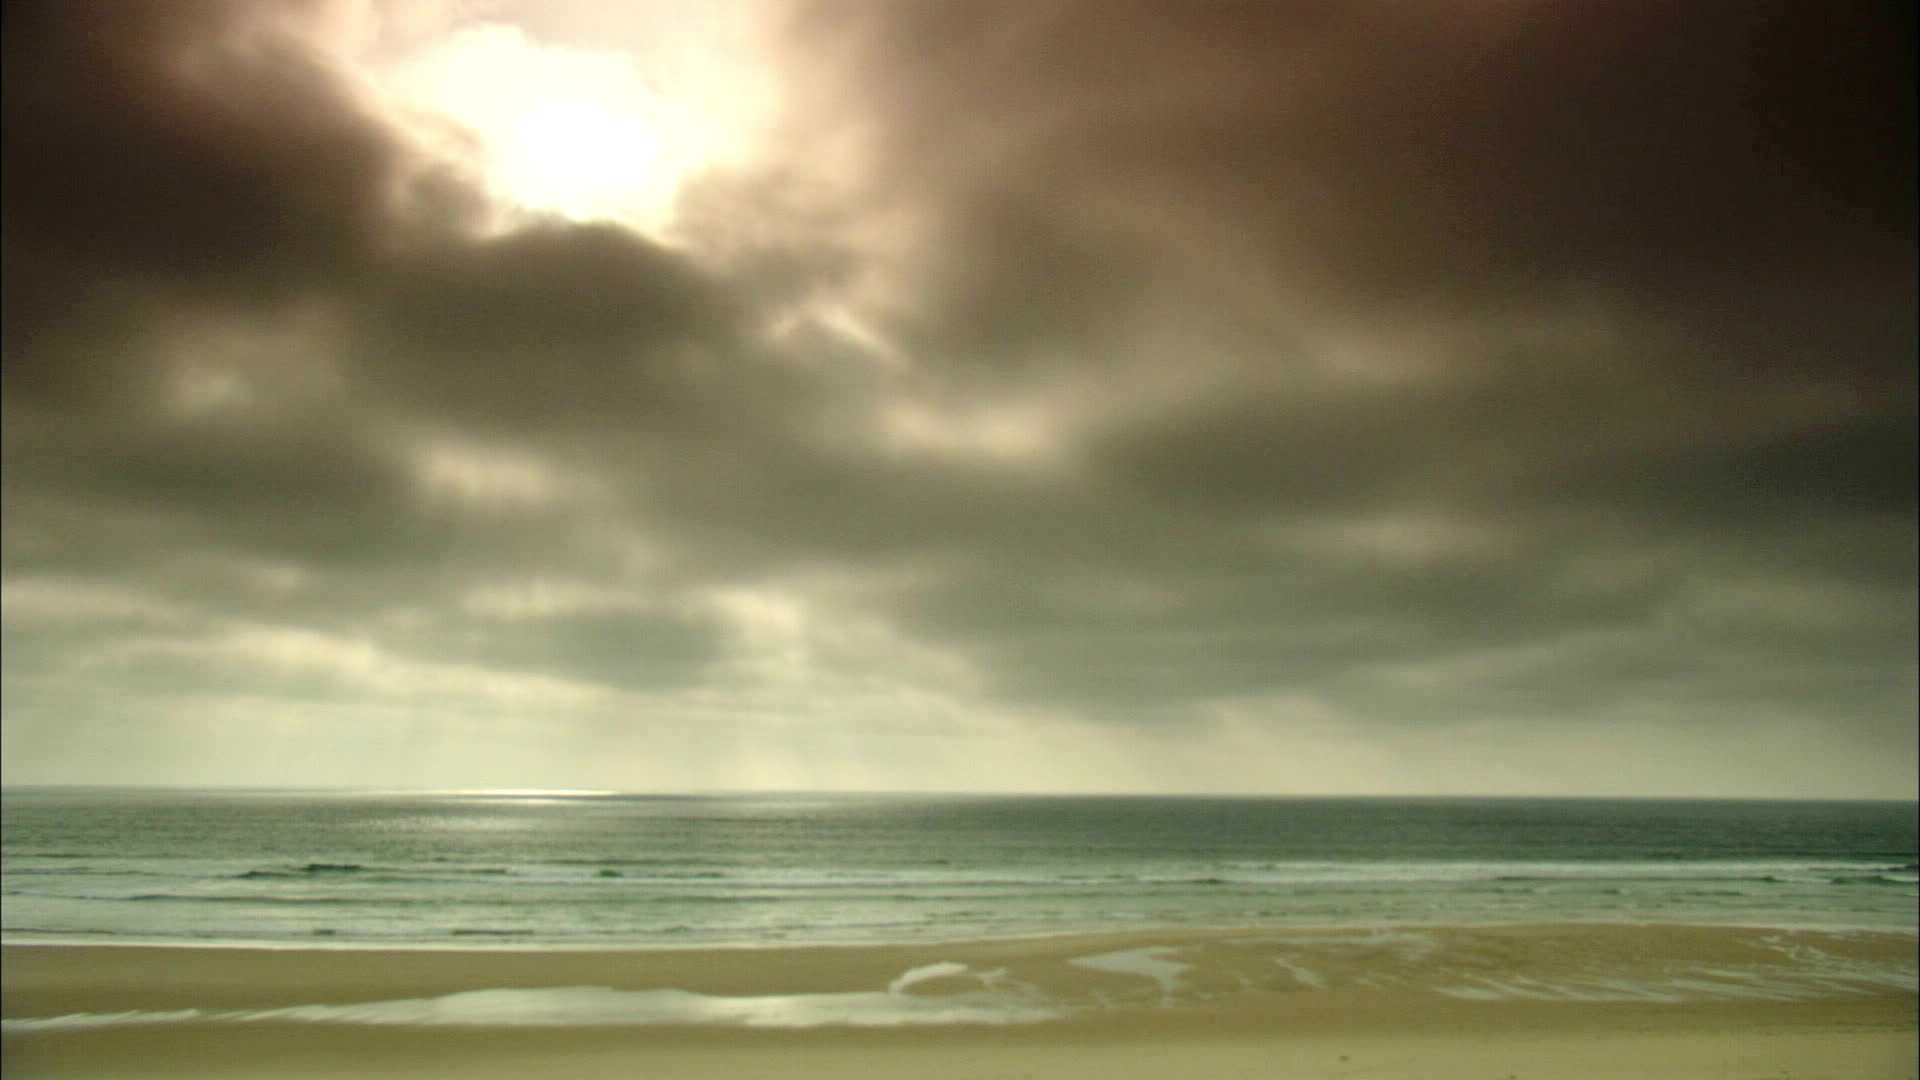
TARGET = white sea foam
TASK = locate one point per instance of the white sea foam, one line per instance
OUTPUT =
(1704, 984)
(83, 1021)
(1147, 963)
(920, 974)
(1304, 976)
(602, 1006)
(1521, 988)
(1408, 946)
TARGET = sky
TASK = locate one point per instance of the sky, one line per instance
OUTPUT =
(1453, 397)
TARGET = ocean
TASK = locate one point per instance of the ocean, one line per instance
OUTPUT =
(597, 870)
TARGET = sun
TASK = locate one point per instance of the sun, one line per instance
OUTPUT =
(573, 132)
(583, 158)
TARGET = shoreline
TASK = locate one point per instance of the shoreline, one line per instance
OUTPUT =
(512, 943)
(1540, 1001)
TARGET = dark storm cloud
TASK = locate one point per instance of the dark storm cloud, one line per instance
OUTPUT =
(195, 154)
(1641, 275)
(1408, 154)
(1435, 365)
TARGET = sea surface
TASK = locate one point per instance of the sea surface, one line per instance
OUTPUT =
(587, 870)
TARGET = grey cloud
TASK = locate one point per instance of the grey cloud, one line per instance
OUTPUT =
(1862, 467)
(640, 651)
(549, 322)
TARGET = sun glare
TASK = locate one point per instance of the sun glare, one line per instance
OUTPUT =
(558, 130)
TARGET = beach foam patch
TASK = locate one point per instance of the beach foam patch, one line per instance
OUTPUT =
(600, 1006)
(1306, 977)
(596, 1006)
(1148, 963)
(84, 1021)
(940, 970)
(1699, 984)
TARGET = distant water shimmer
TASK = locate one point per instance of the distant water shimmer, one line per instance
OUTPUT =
(598, 870)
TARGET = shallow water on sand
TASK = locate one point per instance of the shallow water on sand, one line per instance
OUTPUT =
(1011, 983)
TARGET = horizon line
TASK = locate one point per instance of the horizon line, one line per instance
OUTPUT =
(481, 791)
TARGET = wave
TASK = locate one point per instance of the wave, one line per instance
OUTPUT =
(77, 871)
(669, 873)
(313, 869)
(484, 884)
(664, 860)
(276, 899)
(1764, 879)
(370, 874)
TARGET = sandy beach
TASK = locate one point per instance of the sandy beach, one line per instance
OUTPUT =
(1536, 1002)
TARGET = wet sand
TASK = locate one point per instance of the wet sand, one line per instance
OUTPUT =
(1539, 1002)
